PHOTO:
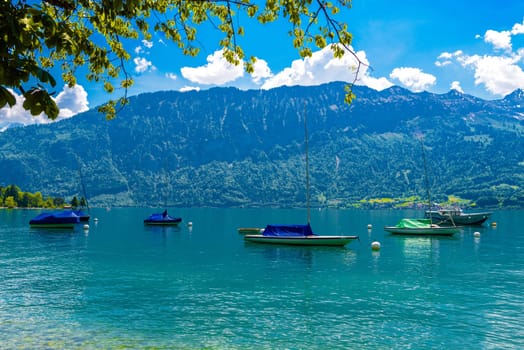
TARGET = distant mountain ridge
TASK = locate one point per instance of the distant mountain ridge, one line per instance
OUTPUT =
(227, 147)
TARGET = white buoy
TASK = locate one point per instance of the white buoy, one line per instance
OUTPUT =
(476, 234)
(190, 223)
(370, 227)
(375, 245)
(95, 219)
(86, 227)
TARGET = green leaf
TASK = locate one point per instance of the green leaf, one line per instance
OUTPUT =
(6, 97)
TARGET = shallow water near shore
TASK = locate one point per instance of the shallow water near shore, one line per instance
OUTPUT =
(121, 284)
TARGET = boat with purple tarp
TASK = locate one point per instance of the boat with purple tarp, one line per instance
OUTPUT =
(298, 234)
(162, 219)
(59, 219)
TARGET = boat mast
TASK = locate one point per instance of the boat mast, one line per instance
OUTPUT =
(307, 168)
(427, 181)
(83, 185)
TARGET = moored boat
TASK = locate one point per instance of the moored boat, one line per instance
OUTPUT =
(297, 235)
(65, 219)
(421, 227)
(162, 219)
(455, 215)
(408, 226)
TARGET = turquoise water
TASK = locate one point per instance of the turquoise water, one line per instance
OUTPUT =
(123, 285)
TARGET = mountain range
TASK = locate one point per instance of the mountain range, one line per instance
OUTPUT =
(226, 147)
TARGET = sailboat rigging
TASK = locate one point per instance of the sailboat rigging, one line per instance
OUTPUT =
(307, 168)
(299, 234)
(408, 226)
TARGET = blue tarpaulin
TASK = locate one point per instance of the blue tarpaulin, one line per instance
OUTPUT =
(288, 230)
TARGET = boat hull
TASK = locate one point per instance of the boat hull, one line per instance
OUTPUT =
(460, 218)
(54, 225)
(162, 223)
(302, 240)
(427, 231)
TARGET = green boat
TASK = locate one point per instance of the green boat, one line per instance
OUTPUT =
(421, 227)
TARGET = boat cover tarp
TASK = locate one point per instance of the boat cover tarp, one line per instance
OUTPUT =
(56, 218)
(414, 223)
(288, 230)
(162, 217)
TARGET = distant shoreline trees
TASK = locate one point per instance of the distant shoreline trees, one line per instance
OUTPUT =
(12, 196)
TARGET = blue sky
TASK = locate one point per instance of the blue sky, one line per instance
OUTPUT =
(476, 47)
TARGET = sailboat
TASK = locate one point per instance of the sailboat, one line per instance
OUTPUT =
(84, 217)
(301, 234)
(422, 226)
(163, 219)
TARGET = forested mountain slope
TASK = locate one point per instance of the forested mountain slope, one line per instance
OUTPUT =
(226, 147)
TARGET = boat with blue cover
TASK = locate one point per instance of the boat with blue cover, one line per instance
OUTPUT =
(297, 235)
(59, 219)
(162, 219)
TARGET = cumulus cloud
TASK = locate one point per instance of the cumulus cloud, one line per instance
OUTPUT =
(322, 68)
(499, 40)
(455, 85)
(217, 71)
(518, 28)
(70, 101)
(413, 78)
(171, 76)
(143, 65)
(500, 75)
(261, 72)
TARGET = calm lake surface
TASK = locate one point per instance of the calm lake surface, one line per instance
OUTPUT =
(123, 285)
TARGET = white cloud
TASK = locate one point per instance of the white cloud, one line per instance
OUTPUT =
(518, 28)
(142, 65)
(455, 85)
(171, 76)
(189, 88)
(322, 68)
(217, 71)
(499, 74)
(70, 101)
(499, 40)
(376, 83)
(413, 78)
(262, 71)
(446, 58)
(148, 44)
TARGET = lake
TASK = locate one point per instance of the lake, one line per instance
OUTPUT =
(120, 284)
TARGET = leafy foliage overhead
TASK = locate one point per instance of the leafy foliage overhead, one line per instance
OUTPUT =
(37, 36)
